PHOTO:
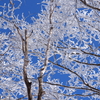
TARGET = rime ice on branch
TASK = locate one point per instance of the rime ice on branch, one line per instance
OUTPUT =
(56, 57)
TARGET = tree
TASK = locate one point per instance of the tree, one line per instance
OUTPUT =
(54, 58)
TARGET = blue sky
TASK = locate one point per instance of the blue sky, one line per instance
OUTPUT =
(28, 7)
(31, 6)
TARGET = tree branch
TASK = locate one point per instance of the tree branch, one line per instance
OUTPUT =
(85, 3)
(77, 94)
(93, 64)
(26, 61)
(86, 84)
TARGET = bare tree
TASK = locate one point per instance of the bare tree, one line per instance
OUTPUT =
(56, 57)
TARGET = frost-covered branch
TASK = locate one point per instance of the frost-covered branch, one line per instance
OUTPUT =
(59, 49)
(88, 5)
(43, 70)
(83, 81)
(26, 61)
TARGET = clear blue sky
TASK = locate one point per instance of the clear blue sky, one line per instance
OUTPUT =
(29, 7)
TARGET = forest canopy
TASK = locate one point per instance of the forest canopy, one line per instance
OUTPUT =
(52, 56)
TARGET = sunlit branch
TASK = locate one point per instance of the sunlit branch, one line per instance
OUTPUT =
(94, 89)
(68, 70)
(90, 53)
(6, 51)
(42, 71)
(93, 64)
(68, 86)
(78, 49)
(86, 52)
(40, 91)
(53, 95)
(77, 94)
(94, 27)
(26, 61)
(85, 3)
(18, 30)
